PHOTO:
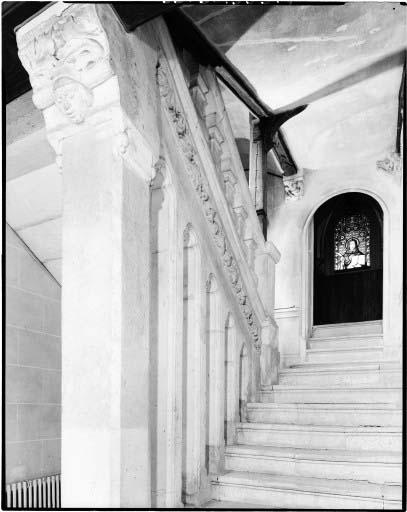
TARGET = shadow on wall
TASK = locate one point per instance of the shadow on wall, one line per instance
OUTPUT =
(226, 23)
(33, 366)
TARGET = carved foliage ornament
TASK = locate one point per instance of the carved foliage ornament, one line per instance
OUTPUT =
(65, 57)
(173, 109)
(293, 187)
(391, 164)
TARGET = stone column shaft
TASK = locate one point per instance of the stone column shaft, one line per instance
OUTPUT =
(107, 168)
(105, 334)
(216, 385)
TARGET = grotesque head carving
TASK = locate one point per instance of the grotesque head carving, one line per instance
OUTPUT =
(72, 98)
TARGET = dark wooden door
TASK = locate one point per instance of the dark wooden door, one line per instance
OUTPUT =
(348, 270)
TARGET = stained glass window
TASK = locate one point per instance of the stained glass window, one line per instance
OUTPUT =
(352, 242)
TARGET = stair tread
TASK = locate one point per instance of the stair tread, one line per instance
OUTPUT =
(234, 504)
(354, 407)
(342, 365)
(319, 428)
(298, 387)
(311, 484)
(359, 456)
(345, 349)
(340, 371)
(346, 337)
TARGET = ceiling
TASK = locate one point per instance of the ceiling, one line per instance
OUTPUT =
(290, 51)
(285, 60)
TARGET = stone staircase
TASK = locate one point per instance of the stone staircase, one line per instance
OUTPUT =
(329, 435)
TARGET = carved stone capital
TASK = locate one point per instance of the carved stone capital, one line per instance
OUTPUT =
(65, 56)
(391, 164)
(293, 187)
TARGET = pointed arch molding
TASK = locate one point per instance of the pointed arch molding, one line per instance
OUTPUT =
(178, 121)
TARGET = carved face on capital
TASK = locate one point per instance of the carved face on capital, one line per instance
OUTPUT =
(72, 98)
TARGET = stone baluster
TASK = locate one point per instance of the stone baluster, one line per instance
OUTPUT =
(229, 180)
(199, 90)
(251, 247)
(215, 138)
(241, 218)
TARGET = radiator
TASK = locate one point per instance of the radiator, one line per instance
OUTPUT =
(42, 492)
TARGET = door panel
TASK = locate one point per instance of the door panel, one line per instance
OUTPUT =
(351, 294)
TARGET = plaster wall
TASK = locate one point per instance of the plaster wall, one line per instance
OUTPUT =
(290, 224)
(33, 365)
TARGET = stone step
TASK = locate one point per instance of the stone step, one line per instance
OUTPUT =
(348, 342)
(378, 467)
(303, 492)
(334, 377)
(347, 329)
(326, 414)
(232, 505)
(301, 394)
(346, 365)
(320, 436)
(362, 354)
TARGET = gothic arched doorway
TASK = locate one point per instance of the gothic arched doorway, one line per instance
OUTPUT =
(348, 261)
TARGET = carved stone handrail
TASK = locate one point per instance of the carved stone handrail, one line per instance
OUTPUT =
(177, 117)
(206, 168)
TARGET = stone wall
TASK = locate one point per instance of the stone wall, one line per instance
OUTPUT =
(33, 365)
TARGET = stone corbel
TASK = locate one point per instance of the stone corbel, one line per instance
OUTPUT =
(66, 57)
(271, 250)
(293, 187)
(241, 218)
(199, 90)
(391, 164)
(215, 138)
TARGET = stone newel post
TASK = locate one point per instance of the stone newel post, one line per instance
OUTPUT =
(107, 168)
